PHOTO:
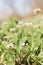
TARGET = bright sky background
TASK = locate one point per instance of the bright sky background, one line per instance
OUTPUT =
(23, 7)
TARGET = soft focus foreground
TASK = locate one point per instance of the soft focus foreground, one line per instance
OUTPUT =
(21, 42)
(21, 36)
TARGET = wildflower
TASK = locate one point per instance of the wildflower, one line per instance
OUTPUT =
(28, 24)
(38, 10)
(10, 46)
(26, 44)
(20, 23)
(18, 26)
(22, 45)
(3, 42)
(12, 30)
(6, 37)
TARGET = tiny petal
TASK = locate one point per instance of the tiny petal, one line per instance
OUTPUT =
(26, 44)
(28, 24)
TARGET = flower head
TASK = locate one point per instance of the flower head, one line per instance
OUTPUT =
(10, 46)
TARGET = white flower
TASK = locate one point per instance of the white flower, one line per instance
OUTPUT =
(10, 46)
(12, 30)
(38, 10)
(21, 45)
(6, 37)
(28, 24)
(4, 64)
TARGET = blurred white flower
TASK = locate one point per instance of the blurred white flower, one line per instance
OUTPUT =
(28, 24)
(38, 10)
(22, 45)
(26, 44)
(20, 23)
(6, 37)
(12, 30)
(10, 46)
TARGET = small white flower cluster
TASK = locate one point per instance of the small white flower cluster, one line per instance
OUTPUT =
(12, 30)
(6, 37)
(10, 46)
(38, 10)
(21, 24)
(28, 24)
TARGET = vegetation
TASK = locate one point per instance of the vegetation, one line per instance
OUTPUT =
(21, 43)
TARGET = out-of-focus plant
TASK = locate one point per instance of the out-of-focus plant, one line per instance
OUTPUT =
(21, 43)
